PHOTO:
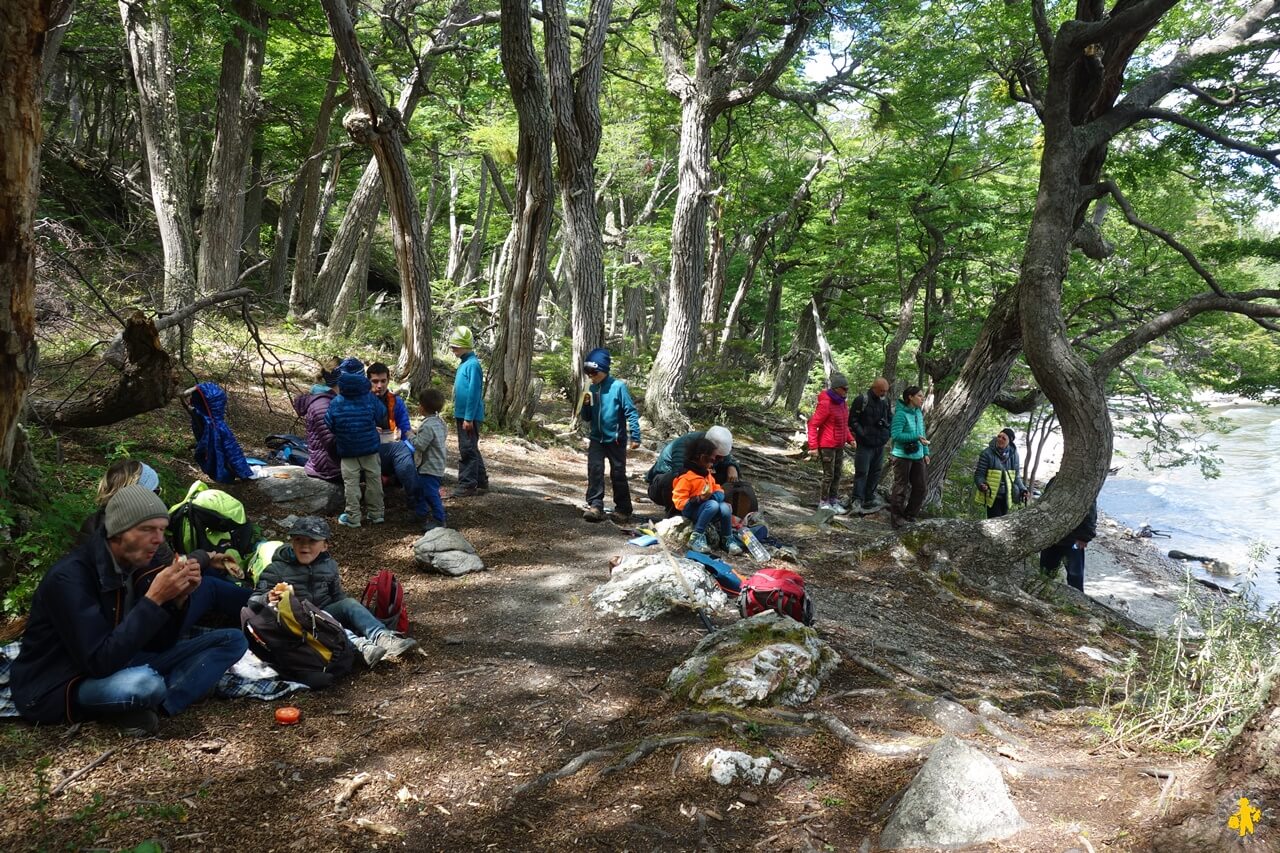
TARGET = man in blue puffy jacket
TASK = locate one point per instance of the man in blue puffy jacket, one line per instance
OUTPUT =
(468, 412)
(353, 419)
(608, 407)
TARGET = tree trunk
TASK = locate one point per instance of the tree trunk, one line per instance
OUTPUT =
(793, 370)
(151, 59)
(354, 286)
(372, 123)
(475, 246)
(254, 198)
(58, 21)
(222, 218)
(278, 272)
(311, 211)
(679, 344)
(22, 40)
(367, 200)
(721, 250)
(576, 115)
(526, 256)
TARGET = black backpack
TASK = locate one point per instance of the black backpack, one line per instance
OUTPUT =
(287, 449)
(301, 641)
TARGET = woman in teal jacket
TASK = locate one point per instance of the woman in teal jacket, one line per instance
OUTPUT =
(910, 449)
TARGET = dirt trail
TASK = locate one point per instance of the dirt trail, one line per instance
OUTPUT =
(519, 676)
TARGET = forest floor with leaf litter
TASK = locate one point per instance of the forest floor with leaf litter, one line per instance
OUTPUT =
(518, 676)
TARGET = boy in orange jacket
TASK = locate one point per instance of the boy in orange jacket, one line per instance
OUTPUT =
(699, 499)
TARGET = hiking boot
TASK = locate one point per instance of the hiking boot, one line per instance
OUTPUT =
(698, 542)
(465, 492)
(370, 651)
(395, 644)
(593, 514)
(347, 521)
(734, 549)
(620, 518)
(139, 722)
(378, 520)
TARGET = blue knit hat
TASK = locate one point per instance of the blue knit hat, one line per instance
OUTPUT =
(351, 364)
(597, 359)
(148, 479)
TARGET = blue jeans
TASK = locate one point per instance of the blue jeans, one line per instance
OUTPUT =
(169, 680)
(214, 595)
(397, 457)
(354, 615)
(703, 513)
(866, 466)
(427, 498)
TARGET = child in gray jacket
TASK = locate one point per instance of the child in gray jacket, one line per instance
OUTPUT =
(428, 456)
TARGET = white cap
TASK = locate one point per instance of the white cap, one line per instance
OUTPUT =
(722, 439)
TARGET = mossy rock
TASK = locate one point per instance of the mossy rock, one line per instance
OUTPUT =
(767, 659)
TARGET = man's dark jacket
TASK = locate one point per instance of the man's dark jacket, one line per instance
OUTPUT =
(82, 627)
(870, 418)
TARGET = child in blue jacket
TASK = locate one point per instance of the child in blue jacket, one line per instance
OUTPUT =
(353, 419)
(608, 407)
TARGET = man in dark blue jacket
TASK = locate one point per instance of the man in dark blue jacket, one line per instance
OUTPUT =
(1071, 548)
(608, 407)
(395, 453)
(101, 641)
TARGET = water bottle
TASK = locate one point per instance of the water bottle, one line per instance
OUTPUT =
(757, 550)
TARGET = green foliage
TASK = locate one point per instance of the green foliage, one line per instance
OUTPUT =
(1203, 678)
(46, 535)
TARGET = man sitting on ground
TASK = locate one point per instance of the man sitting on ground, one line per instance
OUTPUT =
(97, 646)
(671, 463)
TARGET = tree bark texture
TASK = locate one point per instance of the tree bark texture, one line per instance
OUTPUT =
(372, 123)
(22, 39)
(368, 197)
(310, 212)
(708, 76)
(222, 216)
(525, 268)
(286, 225)
(680, 333)
(575, 107)
(151, 58)
(146, 382)
(354, 286)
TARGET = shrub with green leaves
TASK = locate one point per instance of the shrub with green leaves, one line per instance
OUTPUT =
(1203, 678)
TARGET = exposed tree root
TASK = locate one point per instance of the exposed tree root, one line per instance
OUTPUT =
(647, 746)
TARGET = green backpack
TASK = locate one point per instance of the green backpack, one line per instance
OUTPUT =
(212, 520)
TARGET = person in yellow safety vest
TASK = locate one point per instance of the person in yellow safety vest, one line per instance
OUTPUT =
(998, 482)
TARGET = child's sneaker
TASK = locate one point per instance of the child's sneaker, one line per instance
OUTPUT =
(838, 508)
(370, 651)
(734, 549)
(395, 644)
(347, 521)
(431, 524)
(698, 542)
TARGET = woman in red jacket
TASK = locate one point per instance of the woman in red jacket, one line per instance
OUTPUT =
(828, 435)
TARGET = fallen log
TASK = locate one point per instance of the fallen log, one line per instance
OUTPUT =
(147, 381)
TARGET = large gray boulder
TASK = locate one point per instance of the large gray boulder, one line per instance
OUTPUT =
(289, 486)
(644, 586)
(767, 659)
(958, 798)
(444, 550)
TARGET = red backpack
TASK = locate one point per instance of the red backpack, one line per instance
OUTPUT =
(781, 590)
(384, 598)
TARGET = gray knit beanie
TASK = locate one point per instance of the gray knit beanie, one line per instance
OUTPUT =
(838, 381)
(131, 506)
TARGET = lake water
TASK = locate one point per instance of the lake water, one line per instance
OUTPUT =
(1219, 518)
